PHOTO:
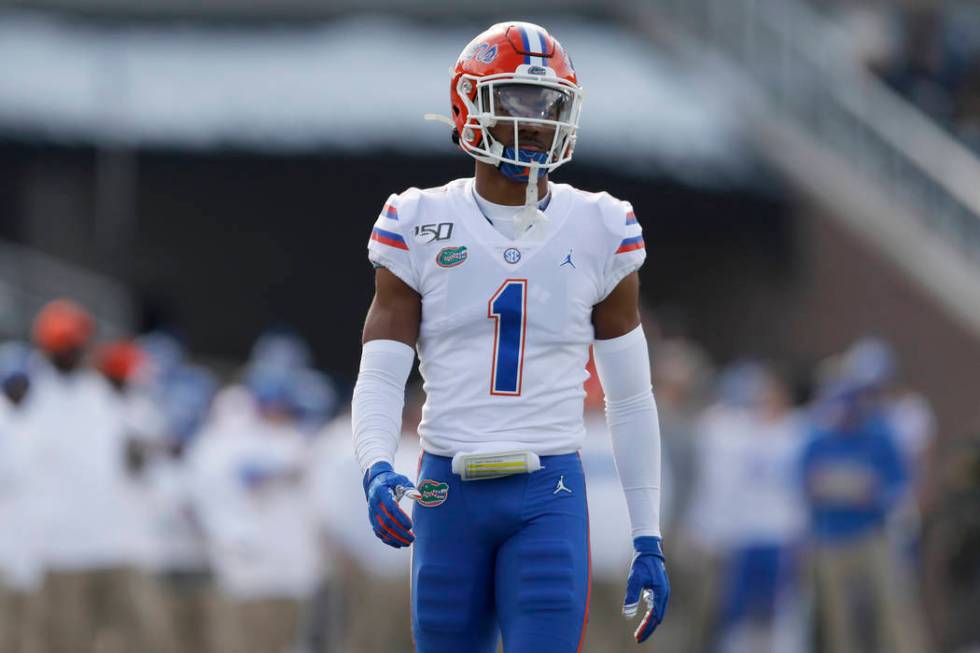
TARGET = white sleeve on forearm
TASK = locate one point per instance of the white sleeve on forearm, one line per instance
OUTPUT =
(623, 365)
(379, 397)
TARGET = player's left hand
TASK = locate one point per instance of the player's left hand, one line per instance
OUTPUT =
(383, 489)
(648, 577)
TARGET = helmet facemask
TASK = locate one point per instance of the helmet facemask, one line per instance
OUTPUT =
(540, 114)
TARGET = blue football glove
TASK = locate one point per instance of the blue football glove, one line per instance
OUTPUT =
(648, 577)
(383, 488)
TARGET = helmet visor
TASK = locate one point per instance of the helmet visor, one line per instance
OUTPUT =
(531, 101)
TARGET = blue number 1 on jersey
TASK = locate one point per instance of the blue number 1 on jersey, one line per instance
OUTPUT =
(508, 309)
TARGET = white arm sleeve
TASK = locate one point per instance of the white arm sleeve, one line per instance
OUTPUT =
(379, 397)
(623, 365)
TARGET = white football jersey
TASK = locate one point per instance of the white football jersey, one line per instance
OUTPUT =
(506, 324)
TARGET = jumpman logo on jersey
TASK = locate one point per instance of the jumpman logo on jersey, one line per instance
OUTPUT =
(561, 487)
(568, 260)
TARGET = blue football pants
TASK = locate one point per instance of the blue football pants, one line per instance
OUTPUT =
(503, 557)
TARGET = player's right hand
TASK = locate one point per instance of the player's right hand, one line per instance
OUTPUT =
(390, 523)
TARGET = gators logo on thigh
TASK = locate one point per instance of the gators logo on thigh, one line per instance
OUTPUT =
(433, 493)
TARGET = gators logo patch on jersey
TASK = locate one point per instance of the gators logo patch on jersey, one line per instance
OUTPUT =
(450, 257)
(432, 493)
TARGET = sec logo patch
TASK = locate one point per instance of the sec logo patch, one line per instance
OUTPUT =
(512, 255)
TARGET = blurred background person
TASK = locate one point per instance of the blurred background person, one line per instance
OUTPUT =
(182, 394)
(761, 597)
(20, 574)
(854, 477)
(708, 526)
(682, 376)
(164, 401)
(15, 364)
(872, 363)
(119, 362)
(96, 594)
(747, 515)
(263, 541)
(953, 555)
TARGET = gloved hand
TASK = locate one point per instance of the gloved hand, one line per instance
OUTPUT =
(382, 488)
(648, 576)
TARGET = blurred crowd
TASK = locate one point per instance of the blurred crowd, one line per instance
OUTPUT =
(929, 52)
(795, 521)
(148, 507)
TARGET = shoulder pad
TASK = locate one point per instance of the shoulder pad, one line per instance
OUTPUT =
(402, 207)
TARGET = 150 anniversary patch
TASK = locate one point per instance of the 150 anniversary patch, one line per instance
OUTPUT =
(427, 233)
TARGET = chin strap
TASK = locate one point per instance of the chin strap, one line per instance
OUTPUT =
(531, 215)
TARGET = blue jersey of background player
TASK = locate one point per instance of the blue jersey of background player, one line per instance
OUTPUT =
(502, 282)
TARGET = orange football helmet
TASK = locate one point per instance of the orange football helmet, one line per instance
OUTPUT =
(516, 73)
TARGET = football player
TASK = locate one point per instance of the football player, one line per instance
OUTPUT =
(501, 283)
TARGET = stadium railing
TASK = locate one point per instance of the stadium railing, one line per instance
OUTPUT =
(787, 49)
